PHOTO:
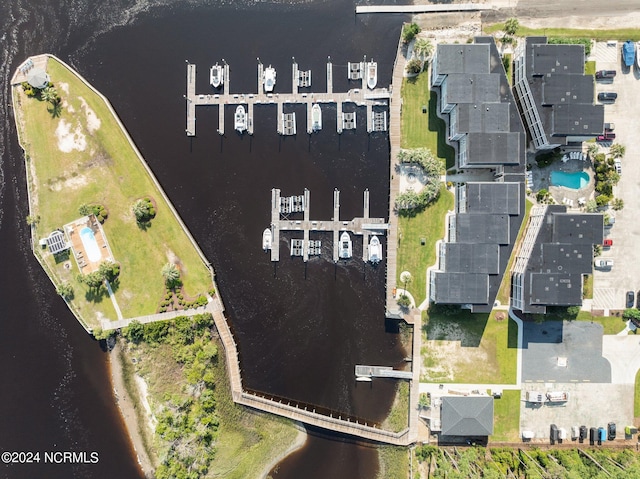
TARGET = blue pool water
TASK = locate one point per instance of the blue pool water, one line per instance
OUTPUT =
(90, 244)
(576, 180)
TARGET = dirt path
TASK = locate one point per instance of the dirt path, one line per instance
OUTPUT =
(128, 412)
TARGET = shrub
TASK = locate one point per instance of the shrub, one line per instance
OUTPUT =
(404, 302)
(409, 32)
(414, 66)
(542, 195)
(603, 200)
(586, 42)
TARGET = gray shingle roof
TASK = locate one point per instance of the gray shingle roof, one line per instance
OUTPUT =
(462, 59)
(482, 228)
(461, 288)
(467, 416)
(472, 258)
(493, 198)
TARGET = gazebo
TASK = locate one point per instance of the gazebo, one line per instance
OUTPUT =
(38, 78)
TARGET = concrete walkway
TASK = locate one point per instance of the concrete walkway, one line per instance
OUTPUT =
(112, 297)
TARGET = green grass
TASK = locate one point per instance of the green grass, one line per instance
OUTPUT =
(587, 287)
(398, 418)
(601, 35)
(477, 339)
(509, 63)
(611, 324)
(412, 255)
(504, 292)
(394, 462)
(423, 130)
(636, 397)
(506, 417)
(106, 172)
(590, 68)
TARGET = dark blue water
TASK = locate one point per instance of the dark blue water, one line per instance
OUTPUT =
(300, 331)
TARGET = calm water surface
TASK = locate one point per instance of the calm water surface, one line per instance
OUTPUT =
(301, 330)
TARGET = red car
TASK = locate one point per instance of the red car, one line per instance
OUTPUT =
(608, 242)
(608, 136)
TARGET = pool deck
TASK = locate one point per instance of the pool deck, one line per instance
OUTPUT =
(79, 253)
(562, 195)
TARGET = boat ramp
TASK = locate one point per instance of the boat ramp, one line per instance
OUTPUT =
(283, 208)
(378, 97)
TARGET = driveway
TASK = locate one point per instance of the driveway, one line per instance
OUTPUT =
(623, 352)
(580, 342)
(610, 285)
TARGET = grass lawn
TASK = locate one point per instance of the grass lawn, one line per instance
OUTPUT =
(455, 345)
(611, 324)
(504, 292)
(636, 397)
(398, 418)
(508, 61)
(601, 35)
(423, 130)
(590, 68)
(107, 171)
(506, 417)
(412, 255)
(394, 462)
(587, 287)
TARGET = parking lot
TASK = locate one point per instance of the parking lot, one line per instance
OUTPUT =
(610, 285)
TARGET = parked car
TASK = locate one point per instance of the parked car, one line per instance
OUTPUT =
(609, 126)
(618, 166)
(604, 263)
(611, 431)
(574, 432)
(607, 243)
(607, 96)
(630, 299)
(583, 433)
(602, 435)
(593, 433)
(638, 301)
(605, 74)
(606, 136)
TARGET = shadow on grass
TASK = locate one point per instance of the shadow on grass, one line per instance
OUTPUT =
(437, 124)
(447, 323)
(512, 334)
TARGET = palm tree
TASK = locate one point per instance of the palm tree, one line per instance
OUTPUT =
(170, 274)
(56, 108)
(48, 94)
(423, 48)
(140, 210)
(617, 150)
(593, 149)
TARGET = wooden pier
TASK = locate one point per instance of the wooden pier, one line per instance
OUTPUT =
(381, 372)
(361, 97)
(283, 208)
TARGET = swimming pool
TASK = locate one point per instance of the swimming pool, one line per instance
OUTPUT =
(576, 180)
(90, 244)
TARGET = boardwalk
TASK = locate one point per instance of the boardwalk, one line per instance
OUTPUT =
(359, 96)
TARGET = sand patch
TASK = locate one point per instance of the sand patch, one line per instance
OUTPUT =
(64, 87)
(70, 140)
(93, 122)
(144, 395)
(70, 184)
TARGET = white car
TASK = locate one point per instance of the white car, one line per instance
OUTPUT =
(603, 263)
(618, 166)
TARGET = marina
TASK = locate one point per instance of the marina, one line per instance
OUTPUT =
(283, 207)
(367, 95)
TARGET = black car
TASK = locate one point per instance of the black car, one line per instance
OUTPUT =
(607, 96)
(611, 431)
(583, 434)
(593, 433)
(605, 74)
(630, 299)
(554, 435)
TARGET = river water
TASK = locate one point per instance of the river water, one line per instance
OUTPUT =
(300, 329)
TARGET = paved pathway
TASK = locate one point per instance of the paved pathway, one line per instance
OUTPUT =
(112, 297)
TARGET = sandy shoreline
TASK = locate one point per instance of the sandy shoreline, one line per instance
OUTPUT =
(300, 441)
(128, 412)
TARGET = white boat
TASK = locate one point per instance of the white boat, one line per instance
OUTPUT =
(266, 239)
(375, 250)
(346, 247)
(269, 78)
(240, 119)
(638, 55)
(363, 379)
(216, 76)
(316, 117)
(372, 74)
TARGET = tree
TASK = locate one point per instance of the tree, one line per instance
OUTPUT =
(49, 94)
(603, 200)
(414, 66)
(511, 26)
(33, 220)
(140, 210)
(171, 275)
(423, 48)
(134, 332)
(424, 400)
(404, 302)
(617, 150)
(101, 334)
(593, 149)
(409, 32)
(94, 280)
(542, 195)
(65, 290)
(617, 204)
(591, 206)
(84, 210)
(109, 270)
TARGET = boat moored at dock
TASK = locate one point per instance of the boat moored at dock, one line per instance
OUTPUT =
(269, 79)
(240, 123)
(266, 239)
(628, 53)
(372, 74)
(216, 76)
(316, 117)
(375, 250)
(346, 246)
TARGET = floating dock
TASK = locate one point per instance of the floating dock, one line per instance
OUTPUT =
(361, 97)
(381, 372)
(283, 208)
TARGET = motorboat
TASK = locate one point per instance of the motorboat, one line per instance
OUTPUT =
(375, 250)
(628, 53)
(372, 74)
(316, 117)
(365, 379)
(266, 239)
(346, 247)
(269, 78)
(638, 55)
(240, 119)
(216, 75)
